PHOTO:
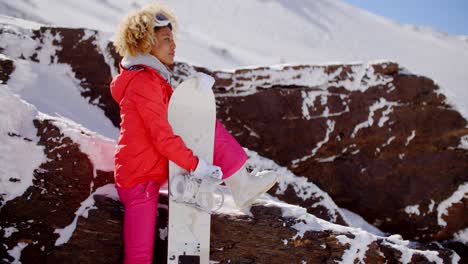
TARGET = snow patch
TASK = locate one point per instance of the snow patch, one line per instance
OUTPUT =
(411, 137)
(370, 119)
(431, 206)
(102, 41)
(461, 236)
(46, 86)
(9, 231)
(308, 99)
(457, 196)
(412, 210)
(66, 233)
(463, 142)
(389, 140)
(330, 129)
(47, 52)
(18, 144)
(328, 159)
(407, 253)
(163, 233)
(16, 252)
(358, 247)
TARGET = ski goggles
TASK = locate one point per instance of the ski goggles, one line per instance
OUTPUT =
(160, 20)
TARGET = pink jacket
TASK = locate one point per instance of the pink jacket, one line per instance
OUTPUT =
(146, 139)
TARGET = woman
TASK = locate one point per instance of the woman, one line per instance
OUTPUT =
(146, 141)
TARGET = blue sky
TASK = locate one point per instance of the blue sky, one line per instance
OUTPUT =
(449, 16)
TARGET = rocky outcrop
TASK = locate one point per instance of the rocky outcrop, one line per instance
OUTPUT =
(372, 149)
(65, 196)
(6, 68)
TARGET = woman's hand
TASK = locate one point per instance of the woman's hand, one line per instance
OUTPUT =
(207, 170)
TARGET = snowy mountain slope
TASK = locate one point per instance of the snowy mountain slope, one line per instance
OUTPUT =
(56, 80)
(229, 34)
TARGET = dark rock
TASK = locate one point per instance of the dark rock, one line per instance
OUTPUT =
(59, 187)
(6, 68)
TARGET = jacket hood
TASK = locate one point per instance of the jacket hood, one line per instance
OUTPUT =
(120, 82)
(148, 60)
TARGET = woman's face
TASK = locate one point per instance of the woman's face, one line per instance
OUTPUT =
(164, 50)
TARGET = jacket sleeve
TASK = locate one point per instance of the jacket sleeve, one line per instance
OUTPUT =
(151, 103)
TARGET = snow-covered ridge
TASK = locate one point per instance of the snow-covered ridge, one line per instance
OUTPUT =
(358, 241)
(353, 77)
(303, 188)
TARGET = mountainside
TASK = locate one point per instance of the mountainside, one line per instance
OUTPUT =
(232, 34)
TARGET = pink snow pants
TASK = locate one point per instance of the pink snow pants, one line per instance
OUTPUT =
(228, 153)
(140, 209)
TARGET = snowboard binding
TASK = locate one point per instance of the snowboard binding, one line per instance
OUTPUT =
(199, 193)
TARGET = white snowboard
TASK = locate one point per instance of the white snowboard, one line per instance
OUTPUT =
(192, 114)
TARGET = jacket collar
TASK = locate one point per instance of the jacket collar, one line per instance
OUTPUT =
(150, 61)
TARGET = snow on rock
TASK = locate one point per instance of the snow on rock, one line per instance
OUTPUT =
(330, 128)
(18, 41)
(411, 137)
(303, 189)
(99, 149)
(8, 231)
(41, 80)
(358, 248)
(102, 42)
(16, 252)
(370, 120)
(66, 233)
(46, 86)
(412, 209)
(359, 77)
(461, 236)
(442, 209)
(359, 152)
(356, 221)
(20, 154)
(463, 142)
(358, 241)
(309, 98)
(386, 112)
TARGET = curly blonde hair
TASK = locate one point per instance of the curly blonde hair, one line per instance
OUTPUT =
(136, 31)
